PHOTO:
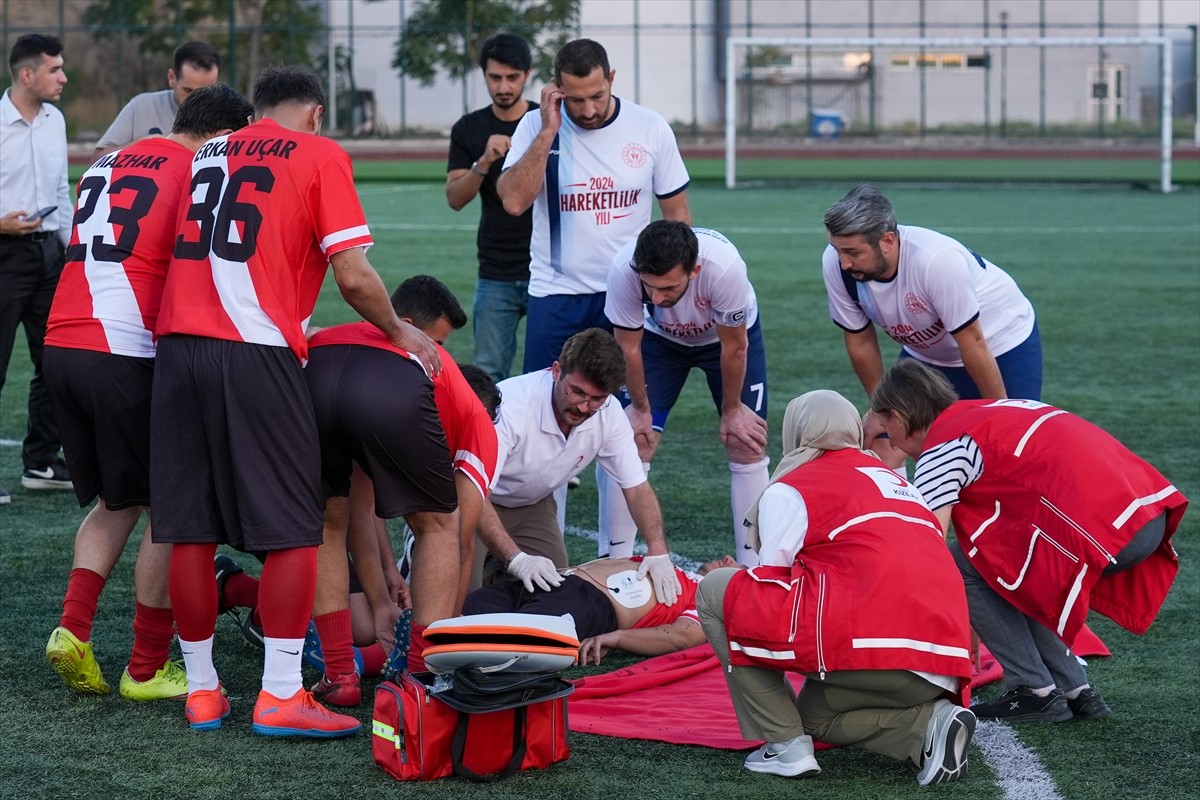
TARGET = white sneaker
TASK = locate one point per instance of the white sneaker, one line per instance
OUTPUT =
(790, 759)
(947, 736)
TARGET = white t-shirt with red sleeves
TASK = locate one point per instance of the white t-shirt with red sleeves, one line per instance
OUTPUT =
(469, 429)
(939, 288)
(111, 287)
(269, 207)
(598, 193)
(534, 456)
(720, 294)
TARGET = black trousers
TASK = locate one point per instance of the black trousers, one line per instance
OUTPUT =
(29, 272)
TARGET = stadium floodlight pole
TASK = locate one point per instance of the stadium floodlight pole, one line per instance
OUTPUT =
(1163, 42)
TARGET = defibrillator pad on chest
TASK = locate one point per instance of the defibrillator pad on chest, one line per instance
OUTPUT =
(628, 589)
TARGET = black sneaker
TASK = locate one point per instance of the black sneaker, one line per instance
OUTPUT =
(224, 566)
(5, 497)
(252, 632)
(1023, 705)
(1088, 705)
(52, 476)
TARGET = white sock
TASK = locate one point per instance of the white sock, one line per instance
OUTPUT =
(560, 502)
(197, 660)
(1044, 691)
(746, 483)
(281, 666)
(617, 528)
(1071, 695)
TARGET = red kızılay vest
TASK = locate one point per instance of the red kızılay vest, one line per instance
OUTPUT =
(873, 587)
(1057, 500)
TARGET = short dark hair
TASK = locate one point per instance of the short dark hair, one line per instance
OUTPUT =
(291, 84)
(213, 108)
(508, 49)
(864, 210)
(201, 55)
(916, 392)
(485, 388)
(594, 354)
(28, 50)
(664, 243)
(580, 58)
(424, 299)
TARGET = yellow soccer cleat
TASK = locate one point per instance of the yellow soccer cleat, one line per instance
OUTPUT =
(75, 663)
(169, 683)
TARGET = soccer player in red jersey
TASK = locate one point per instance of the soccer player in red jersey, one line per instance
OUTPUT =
(234, 447)
(99, 363)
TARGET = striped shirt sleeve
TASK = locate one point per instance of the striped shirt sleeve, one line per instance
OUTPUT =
(947, 469)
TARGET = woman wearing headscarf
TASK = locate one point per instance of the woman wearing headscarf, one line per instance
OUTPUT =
(855, 590)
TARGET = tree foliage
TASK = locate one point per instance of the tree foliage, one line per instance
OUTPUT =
(263, 32)
(447, 34)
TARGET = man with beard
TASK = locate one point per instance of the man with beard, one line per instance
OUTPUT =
(478, 143)
(947, 306)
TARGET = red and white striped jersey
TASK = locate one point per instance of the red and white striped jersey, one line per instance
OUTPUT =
(124, 230)
(268, 208)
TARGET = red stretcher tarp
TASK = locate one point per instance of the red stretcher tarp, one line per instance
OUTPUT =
(681, 698)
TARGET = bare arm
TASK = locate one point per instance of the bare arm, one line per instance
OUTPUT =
(470, 504)
(363, 289)
(520, 184)
(980, 363)
(943, 516)
(463, 184)
(638, 412)
(646, 513)
(676, 208)
(493, 535)
(679, 635)
(865, 357)
(742, 431)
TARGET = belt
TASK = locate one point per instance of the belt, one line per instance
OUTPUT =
(36, 236)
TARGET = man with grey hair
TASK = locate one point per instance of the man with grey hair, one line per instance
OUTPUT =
(947, 306)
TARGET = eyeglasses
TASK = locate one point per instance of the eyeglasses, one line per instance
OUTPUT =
(577, 396)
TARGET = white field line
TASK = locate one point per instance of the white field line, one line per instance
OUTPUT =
(1020, 774)
(10, 443)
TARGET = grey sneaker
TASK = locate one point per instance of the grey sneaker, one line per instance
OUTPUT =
(52, 476)
(944, 755)
(790, 759)
(1088, 705)
(1024, 705)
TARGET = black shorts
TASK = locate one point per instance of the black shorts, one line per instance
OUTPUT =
(101, 402)
(234, 456)
(591, 609)
(377, 408)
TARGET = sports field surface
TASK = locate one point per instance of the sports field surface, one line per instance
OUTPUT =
(1114, 273)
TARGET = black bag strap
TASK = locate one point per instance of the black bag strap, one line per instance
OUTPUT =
(459, 742)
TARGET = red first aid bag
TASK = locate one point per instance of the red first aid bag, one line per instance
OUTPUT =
(418, 737)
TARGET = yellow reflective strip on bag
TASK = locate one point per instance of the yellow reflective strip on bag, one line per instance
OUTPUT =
(385, 731)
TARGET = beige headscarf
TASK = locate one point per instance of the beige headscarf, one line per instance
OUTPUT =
(814, 423)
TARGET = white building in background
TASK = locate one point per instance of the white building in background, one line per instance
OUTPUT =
(669, 55)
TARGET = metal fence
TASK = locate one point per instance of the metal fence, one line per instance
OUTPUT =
(669, 55)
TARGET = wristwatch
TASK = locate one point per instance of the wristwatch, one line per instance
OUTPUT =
(475, 168)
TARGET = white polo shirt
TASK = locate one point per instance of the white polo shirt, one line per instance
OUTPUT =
(535, 458)
(720, 295)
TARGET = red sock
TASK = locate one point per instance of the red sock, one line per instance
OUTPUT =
(416, 646)
(337, 646)
(152, 632)
(241, 590)
(286, 592)
(373, 657)
(79, 604)
(193, 588)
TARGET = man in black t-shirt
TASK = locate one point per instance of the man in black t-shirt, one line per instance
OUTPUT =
(478, 144)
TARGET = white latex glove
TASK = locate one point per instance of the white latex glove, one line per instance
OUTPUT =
(663, 577)
(534, 569)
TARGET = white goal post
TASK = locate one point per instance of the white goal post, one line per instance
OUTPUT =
(733, 70)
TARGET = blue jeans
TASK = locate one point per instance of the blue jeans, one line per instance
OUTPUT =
(499, 306)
